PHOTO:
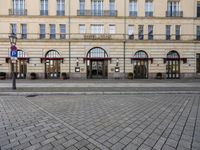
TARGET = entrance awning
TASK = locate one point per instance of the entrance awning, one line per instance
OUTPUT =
(151, 59)
(178, 59)
(49, 58)
(18, 58)
(96, 58)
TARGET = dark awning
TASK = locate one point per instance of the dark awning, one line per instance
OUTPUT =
(97, 58)
(151, 59)
(178, 59)
(51, 58)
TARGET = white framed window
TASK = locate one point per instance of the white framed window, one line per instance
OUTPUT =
(97, 7)
(130, 29)
(43, 7)
(97, 28)
(60, 7)
(133, 6)
(62, 31)
(112, 29)
(18, 7)
(23, 31)
(82, 28)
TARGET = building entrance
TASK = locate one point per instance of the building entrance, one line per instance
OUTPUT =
(98, 69)
(97, 64)
(173, 65)
(140, 65)
(52, 65)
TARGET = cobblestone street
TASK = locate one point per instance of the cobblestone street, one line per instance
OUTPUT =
(100, 122)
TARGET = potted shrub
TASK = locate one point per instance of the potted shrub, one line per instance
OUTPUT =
(130, 75)
(2, 75)
(64, 75)
(33, 75)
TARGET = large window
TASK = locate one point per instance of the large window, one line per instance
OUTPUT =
(198, 63)
(18, 7)
(97, 7)
(112, 11)
(150, 32)
(82, 7)
(173, 9)
(198, 33)
(23, 31)
(52, 31)
(97, 28)
(42, 31)
(149, 8)
(168, 32)
(133, 8)
(141, 32)
(44, 7)
(60, 7)
(198, 9)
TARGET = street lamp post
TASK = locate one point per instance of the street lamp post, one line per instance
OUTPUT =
(13, 55)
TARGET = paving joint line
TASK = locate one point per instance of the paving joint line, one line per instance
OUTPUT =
(99, 145)
(96, 93)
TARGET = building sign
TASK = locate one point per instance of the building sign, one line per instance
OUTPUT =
(97, 36)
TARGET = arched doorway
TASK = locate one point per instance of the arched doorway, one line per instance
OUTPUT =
(52, 65)
(21, 66)
(97, 64)
(173, 65)
(140, 66)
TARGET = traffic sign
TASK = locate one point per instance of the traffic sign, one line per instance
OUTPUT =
(13, 52)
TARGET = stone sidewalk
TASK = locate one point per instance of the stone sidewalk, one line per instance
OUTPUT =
(100, 122)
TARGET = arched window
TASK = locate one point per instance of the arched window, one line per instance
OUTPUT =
(52, 54)
(140, 54)
(97, 53)
(173, 54)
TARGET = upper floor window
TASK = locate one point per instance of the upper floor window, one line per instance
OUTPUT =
(150, 32)
(198, 63)
(173, 9)
(198, 9)
(97, 7)
(131, 32)
(18, 8)
(60, 7)
(112, 29)
(112, 11)
(97, 28)
(44, 7)
(133, 8)
(141, 32)
(62, 31)
(82, 7)
(42, 31)
(198, 33)
(23, 31)
(178, 32)
(81, 28)
(149, 8)
(168, 32)
(13, 28)
(52, 31)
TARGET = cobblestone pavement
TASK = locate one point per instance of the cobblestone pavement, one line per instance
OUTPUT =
(101, 122)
